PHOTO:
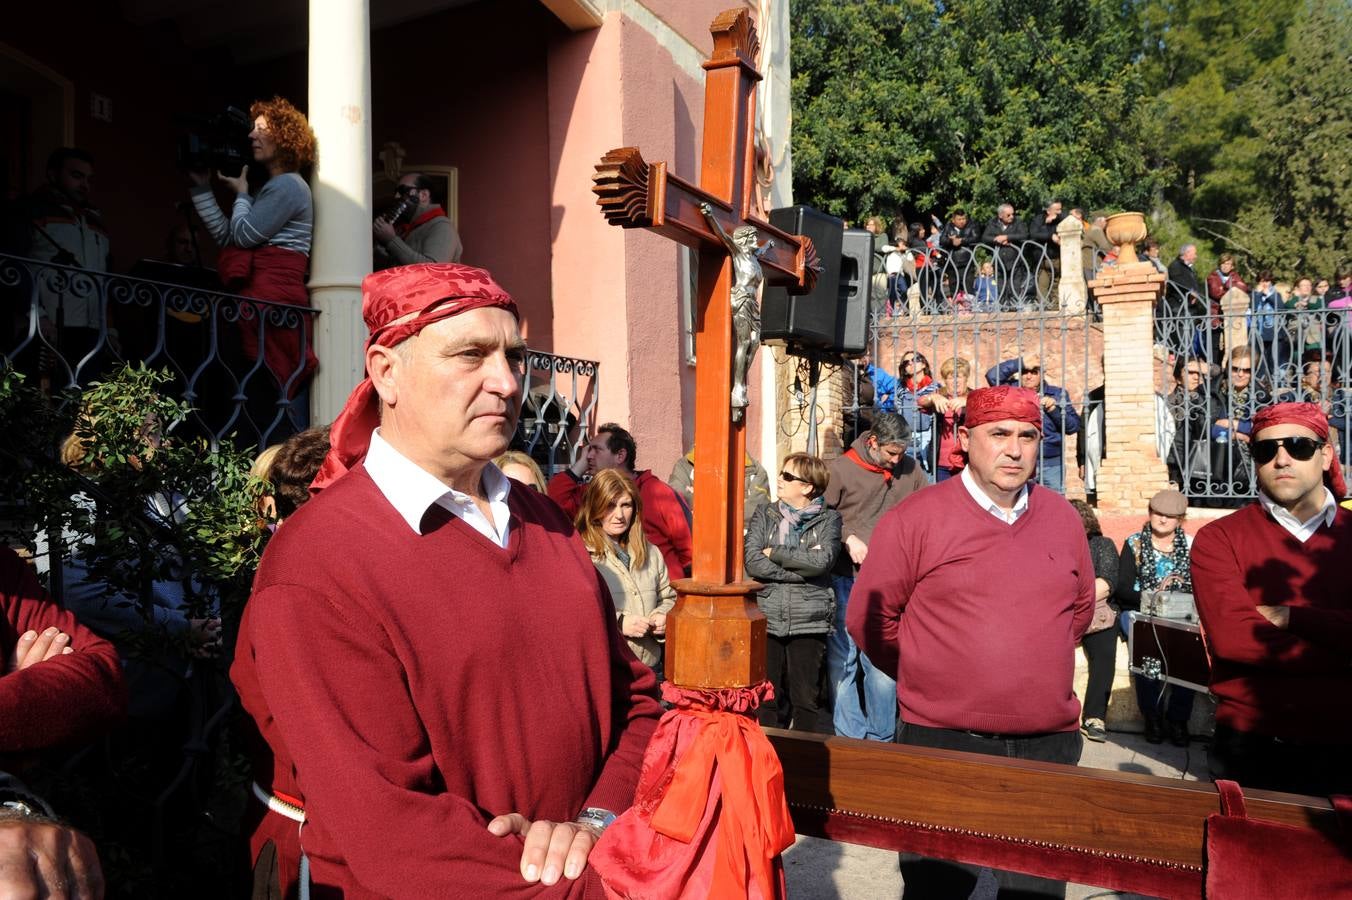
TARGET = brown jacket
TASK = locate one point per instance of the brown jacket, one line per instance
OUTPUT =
(861, 497)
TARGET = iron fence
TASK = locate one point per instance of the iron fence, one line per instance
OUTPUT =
(1215, 368)
(1060, 355)
(980, 278)
(66, 327)
(558, 409)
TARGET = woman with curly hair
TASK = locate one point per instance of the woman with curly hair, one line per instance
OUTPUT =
(265, 240)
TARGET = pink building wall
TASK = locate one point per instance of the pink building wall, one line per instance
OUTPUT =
(617, 87)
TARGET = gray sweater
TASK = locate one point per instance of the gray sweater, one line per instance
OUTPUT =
(283, 215)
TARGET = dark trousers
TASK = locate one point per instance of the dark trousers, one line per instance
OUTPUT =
(1100, 648)
(1271, 764)
(795, 666)
(937, 879)
(1155, 698)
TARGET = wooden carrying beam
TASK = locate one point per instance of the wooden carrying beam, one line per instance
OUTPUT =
(1117, 830)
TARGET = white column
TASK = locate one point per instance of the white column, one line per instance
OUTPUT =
(1072, 291)
(340, 113)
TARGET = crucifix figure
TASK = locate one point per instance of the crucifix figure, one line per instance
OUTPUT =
(746, 287)
(716, 644)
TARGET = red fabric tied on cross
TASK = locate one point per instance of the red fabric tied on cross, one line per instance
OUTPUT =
(1306, 415)
(710, 781)
(398, 303)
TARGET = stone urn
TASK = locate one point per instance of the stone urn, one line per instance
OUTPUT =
(1125, 230)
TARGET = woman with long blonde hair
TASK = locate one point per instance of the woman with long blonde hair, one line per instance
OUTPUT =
(610, 522)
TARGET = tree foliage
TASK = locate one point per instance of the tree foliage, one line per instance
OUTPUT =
(1224, 120)
(905, 104)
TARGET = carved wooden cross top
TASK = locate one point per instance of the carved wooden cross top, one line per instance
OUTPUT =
(724, 648)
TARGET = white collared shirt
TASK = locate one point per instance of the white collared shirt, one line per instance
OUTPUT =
(985, 502)
(1302, 531)
(412, 491)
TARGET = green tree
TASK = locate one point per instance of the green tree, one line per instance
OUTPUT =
(908, 103)
(1203, 63)
(1298, 223)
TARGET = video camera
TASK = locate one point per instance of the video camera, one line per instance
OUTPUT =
(219, 142)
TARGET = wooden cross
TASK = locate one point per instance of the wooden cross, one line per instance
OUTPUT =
(715, 637)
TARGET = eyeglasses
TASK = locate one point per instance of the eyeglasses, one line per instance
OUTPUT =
(1300, 448)
(787, 477)
(1238, 370)
(1035, 370)
(403, 189)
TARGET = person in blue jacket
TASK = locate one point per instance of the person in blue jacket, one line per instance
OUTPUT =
(1059, 417)
(900, 395)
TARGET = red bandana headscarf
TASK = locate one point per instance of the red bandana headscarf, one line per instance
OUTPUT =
(996, 404)
(397, 304)
(1306, 415)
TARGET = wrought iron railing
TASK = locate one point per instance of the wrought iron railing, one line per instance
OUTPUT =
(67, 326)
(981, 278)
(559, 408)
(1216, 368)
(1060, 355)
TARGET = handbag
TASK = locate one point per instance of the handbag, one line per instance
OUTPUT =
(1104, 617)
(1250, 859)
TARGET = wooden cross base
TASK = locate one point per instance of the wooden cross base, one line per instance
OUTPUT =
(715, 636)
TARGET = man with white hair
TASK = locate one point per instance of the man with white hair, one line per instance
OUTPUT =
(428, 653)
(1008, 233)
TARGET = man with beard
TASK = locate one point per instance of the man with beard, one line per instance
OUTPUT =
(873, 476)
(422, 233)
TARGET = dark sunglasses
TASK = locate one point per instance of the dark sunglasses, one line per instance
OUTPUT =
(1300, 448)
(1236, 370)
(787, 477)
(1036, 370)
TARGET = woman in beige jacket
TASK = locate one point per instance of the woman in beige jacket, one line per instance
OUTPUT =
(610, 521)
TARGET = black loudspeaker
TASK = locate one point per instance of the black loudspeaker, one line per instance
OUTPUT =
(806, 320)
(833, 318)
(856, 277)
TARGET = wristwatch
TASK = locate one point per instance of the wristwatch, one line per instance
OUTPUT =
(596, 817)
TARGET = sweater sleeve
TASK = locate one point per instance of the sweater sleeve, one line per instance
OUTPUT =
(435, 243)
(1127, 594)
(636, 706)
(566, 491)
(254, 223)
(1234, 629)
(1330, 628)
(1084, 597)
(880, 594)
(364, 764)
(63, 699)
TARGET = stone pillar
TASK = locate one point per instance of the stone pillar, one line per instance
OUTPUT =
(1131, 471)
(1233, 305)
(1072, 292)
(340, 113)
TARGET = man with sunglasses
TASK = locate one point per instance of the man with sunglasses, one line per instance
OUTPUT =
(1271, 583)
(420, 233)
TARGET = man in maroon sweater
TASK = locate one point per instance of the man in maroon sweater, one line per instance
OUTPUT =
(984, 663)
(666, 518)
(1271, 583)
(430, 655)
(59, 683)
